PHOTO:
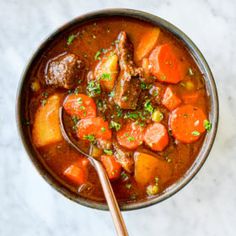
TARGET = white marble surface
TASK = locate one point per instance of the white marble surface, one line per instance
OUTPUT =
(29, 206)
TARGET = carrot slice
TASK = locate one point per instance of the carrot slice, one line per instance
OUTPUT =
(112, 167)
(166, 64)
(131, 135)
(187, 123)
(156, 137)
(170, 100)
(93, 128)
(146, 44)
(80, 105)
(77, 172)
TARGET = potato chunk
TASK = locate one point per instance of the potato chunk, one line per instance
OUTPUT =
(46, 129)
(148, 167)
(107, 71)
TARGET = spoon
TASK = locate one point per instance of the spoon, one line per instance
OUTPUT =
(105, 182)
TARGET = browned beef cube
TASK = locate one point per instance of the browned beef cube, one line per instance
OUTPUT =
(63, 71)
(127, 92)
(127, 88)
(124, 157)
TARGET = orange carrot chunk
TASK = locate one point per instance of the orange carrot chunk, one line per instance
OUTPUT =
(77, 172)
(156, 136)
(131, 135)
(112, 167)
(187, 123)
(80, 105)
(170, 99)
(166, 64)
(147, 43)
(93, 128)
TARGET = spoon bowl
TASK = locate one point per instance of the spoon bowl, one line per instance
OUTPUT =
(105, 182)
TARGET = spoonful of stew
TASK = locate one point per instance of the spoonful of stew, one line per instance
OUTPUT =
(105, 182)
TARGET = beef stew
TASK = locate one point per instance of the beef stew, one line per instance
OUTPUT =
(134, 98)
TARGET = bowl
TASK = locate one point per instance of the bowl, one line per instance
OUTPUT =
(210, 87)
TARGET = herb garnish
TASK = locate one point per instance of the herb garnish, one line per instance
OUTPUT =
(97, 55)
(148, 106)
(195, 133)
(207, 124)
(71, 39)
(89, 137)
(103, 129)
(93, 88)
(111, 94)
(105, 76)
(108, 151)
(115, 125)
(131, 138)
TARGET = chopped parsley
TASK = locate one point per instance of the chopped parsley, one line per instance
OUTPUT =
(97, 55)
(79, 100)
(195, 133)
(131, 115)
(111, 94)
(75, 119)
(145, 86)
(71, 39)
(89, 137)
(103, 129)
(115, 125)
(105, 76)
(148, 106)
(119, 111)
(108, 151)
(93, 88)
(124, 176)
(130, 138)
(207, 124)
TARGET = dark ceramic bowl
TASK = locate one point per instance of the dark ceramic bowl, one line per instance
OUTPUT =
(210, 86)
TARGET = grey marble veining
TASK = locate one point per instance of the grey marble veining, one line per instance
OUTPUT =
(29, 206)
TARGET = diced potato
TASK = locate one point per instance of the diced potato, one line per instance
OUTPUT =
(147, 43)
(46, 129)
(107, 71)
(148, 167)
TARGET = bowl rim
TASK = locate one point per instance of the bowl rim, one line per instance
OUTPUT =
(211, 88)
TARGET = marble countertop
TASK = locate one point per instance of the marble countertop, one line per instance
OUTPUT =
(29, 206)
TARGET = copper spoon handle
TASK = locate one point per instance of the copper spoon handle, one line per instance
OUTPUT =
(111, 200)
(105, 182)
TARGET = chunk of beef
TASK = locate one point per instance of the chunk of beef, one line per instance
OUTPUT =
(63, 71)
(125, 158)
(127, 89)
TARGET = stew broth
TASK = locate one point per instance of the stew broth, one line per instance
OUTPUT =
(91, 43)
